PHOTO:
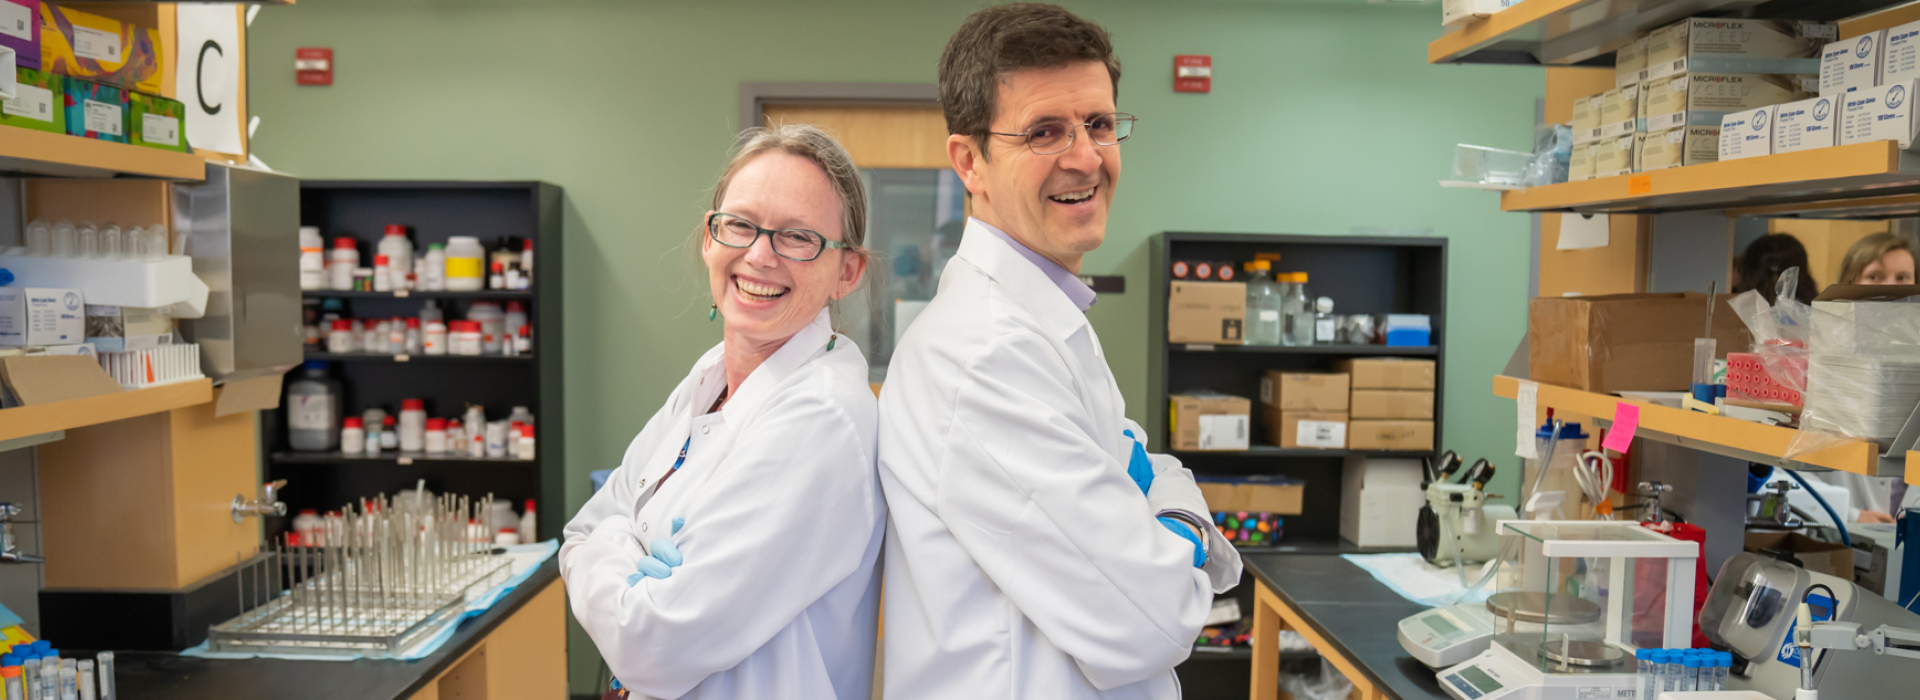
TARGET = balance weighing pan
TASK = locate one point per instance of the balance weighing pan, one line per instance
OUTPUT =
(1532, 607)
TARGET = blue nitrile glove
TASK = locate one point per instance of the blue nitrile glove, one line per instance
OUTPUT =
(1180, 527)
(1139, 468)
(665, 555)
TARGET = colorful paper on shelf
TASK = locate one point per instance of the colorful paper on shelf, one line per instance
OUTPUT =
(20, 31)
(38, 103)
(84, 45)
(156, 122)
(210, 84)
(1626, 421)
(96, 111)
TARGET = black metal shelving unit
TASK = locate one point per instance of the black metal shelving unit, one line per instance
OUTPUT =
(433, 212)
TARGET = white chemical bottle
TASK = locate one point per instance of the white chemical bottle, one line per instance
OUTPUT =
(464, 267)
(353, 438)
(413, 425)
(433, 277)
(313, 259)
(515, 318)
(399, 252)
(341, 263)
(492, 325)
(527, 523)
(313, 409)
(1263, 306)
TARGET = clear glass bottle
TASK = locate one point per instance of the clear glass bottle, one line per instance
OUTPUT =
(111, 245)
(39, 239)
(313, 409)
(87, 240)
(1326, 328)
(63, 245)
(1263, 305)
(1296, 313)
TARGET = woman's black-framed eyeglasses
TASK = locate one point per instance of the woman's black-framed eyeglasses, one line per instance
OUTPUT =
(796, 244)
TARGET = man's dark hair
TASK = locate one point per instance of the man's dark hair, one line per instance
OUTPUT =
(1008, 38)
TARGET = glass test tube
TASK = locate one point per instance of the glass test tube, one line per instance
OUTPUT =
(39, 239)
(110, 245)
(156, 242)
(63, 239)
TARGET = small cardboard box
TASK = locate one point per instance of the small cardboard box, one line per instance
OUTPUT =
(96, 111)
(37, 101)
(124, 328)
(41, 316)
(1388, 373)
(1392, 404)
(1879, 114)
(87, 46)
(1615, 156)
(1586, 118)
(1207, 312)
(1727, 44)
(1846, 66)
(1620, 111)
(1701, 99)
(1630, 342)
(1210, 423)
(1900, 60)
(1821, 557)
(1398, 435)
(1259, 494)
(1807, 124)
(20, 31)
(1380, 500)
(1630, 63)
(1747, 134)
(157, 122)
(1322, 430)
(1302, 391)
(1673, 148)
(1580, 164)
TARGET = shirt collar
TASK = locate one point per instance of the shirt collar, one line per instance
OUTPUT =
(1077, 291)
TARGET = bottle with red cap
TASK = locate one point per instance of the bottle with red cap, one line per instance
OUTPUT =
(399, 252)
(389, 433)
(497, 276)
(436, 436)
(340, 339)
(412, 343)
(341, 262)
(382, 272)
(353, 435)
(413, 425)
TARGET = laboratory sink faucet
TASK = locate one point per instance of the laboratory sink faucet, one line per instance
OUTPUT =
(269, 503)
(9, 549)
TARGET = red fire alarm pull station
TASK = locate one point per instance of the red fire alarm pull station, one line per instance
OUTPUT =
(313, 66)
(1192, 73)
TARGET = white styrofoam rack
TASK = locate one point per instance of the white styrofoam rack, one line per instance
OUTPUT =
(166, 364)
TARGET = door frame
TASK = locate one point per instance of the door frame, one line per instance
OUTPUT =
(754, 96)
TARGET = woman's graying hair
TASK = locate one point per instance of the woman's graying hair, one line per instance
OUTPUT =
(809, 142)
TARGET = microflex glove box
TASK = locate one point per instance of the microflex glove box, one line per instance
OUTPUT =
(1580, 164)
(1673, 148)
(1701, 99)
(1619, 111)
(1630, 63)
(1615, 157)
(1723, 45)
(1586, 118)
(42, 316)
(1458, 12)
(1879, 114)
(1798, 126)
(1746, 134)
(1853, 64)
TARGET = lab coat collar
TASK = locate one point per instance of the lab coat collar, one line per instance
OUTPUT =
(810, 342)
(1029, 285)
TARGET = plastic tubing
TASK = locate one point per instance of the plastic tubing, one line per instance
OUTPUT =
(1838, 523)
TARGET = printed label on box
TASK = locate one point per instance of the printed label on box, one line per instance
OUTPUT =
(104, 117)
(1900, 60)
(1223, 432)
(1320, 433)
(1798, 126)
(29, 101)
(159, 129)
(96, 44)
(14, 21)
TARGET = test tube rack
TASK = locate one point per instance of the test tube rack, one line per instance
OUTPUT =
(379, 577)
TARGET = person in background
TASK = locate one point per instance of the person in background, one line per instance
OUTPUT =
(1882, 258)
(1766, 259)
(753, 574)
(1034, 548)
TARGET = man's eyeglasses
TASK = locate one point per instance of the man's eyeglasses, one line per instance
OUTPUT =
(796, 244)
(1049, 138)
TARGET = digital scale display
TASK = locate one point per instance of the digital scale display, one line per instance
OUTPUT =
(1480, 680)
(1440, 624)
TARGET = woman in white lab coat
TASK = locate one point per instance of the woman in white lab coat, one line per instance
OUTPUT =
(733, 553)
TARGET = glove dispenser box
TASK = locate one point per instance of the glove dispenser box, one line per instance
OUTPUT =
(242, 228)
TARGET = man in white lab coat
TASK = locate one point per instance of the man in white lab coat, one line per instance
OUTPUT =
(1034, 548)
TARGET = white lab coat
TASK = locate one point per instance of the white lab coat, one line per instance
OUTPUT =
(1021, 560)
(779, 591)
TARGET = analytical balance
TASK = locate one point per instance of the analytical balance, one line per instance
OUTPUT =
(1573, 601)
(1750, 612)
(1442, 637)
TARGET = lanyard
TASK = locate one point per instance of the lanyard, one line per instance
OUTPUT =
(676, 466)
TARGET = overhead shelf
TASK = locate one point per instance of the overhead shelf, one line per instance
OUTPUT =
(1721, 435)
(1815, 183)
(40, 153)
(1587, 32)
(106, 408)
(1355, 350)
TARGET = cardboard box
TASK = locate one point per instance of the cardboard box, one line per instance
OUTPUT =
(1257, 494)
(20, 31)
(1701, 99)
(1823, 557)
(1673, 148)
(1324, 430)
(1454, 13)
(1388, 373)
(1302, 391)
(1210, 423)
(1380, 501)
(96, 111)
(1624, 342)
(1586, 118)
(1747, 134)
(1397, 435)
(41, 316)
(1846, 66)
(1207, 312)
(1580, 164)
(124, 328)
(1396, 404)
(1615, 156)
(1718, 44)
(1814, 123)
(1900, 60)
(1619, 111)
(157, 122)
(1630, 63)
(1879, 114)
(37, 101)
(87, 46)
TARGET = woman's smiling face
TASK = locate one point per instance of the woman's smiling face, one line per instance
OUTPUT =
(764, 297)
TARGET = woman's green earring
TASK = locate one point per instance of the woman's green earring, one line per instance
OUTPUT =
(713, 311)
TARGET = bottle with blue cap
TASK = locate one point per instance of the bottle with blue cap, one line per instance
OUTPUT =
(1690, 674)
(1643, 661)
(10, 673)
(1566, 447)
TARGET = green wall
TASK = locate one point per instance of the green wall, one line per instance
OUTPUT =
(1324, 117)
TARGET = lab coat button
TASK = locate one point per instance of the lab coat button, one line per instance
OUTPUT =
(643, 527)
(705, 429)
